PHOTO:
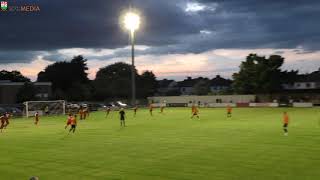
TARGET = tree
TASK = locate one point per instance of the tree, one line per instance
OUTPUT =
(173, 92)
(259, 75)
(79, 68)
(66, 77)
(79, 92)
(147, 84)
(26, 93)
(64, 74)
(202, 87)
(113, 81)
(289, 77)
(13, 76)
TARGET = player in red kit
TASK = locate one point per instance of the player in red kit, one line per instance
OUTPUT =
(108, 111)
(135, 109)
(229, 111)
(68, 121)
(285, 123)
(3, 122)
(150, 109)
(36, 118)
(194, 111)
(161, 109)
(6, 119)
(73, 124)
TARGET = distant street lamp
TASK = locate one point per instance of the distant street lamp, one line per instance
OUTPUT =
(132, 23)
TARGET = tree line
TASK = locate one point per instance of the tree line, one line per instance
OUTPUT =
(70, 81)
(257, 75)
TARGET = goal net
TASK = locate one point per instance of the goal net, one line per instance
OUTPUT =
(57, 107)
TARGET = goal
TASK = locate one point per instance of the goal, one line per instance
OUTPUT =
(57, 107)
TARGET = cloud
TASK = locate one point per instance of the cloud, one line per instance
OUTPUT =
(236, 23)
(13, 56)
(205, 32)
(194, 7)
(224, 62)
(96, 54)
(211, 35)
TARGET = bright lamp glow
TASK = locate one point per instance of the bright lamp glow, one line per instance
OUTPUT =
(131, 21)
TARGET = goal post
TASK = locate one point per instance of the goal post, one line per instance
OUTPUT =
(56, 107)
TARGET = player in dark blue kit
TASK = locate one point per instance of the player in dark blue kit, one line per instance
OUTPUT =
(122, 117)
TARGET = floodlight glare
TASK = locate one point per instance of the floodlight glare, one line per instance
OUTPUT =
(131, 21)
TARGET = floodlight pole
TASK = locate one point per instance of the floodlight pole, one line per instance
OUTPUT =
(133, 73)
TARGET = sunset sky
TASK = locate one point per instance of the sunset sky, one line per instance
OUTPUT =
(178, 38)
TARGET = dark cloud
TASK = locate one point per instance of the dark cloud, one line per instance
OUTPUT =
(167, 28)
(12, 56)
(64, 24)
(271, 24)
(79, 23)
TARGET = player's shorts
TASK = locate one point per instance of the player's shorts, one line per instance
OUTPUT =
(229, 112)
(73, 126)
(195, 114)
(285, 125)
(122, 119)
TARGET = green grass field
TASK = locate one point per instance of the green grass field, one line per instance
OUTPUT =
(250, 145)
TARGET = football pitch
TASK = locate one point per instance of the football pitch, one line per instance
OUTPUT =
(250, 145)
